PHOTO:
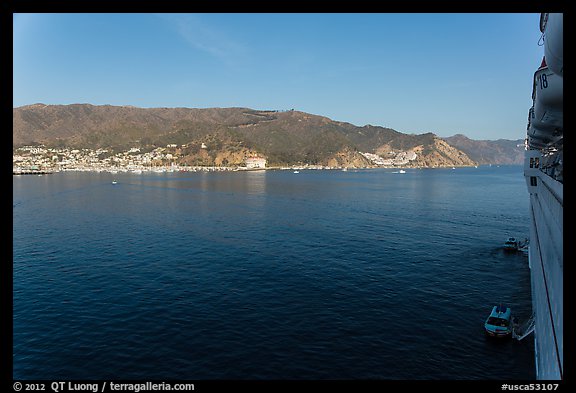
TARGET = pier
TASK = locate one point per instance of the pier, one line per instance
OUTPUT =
(30, 172)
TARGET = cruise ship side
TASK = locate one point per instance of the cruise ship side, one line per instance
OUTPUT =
(543, 171)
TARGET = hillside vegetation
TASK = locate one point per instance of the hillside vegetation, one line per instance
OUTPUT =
(229, 135)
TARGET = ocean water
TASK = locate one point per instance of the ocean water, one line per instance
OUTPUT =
(369, 274)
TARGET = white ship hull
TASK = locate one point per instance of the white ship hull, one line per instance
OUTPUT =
(546, 268)
(543, 170)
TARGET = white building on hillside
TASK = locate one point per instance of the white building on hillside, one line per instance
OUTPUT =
(255, 162)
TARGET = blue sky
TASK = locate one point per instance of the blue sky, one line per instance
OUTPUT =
(415, 73)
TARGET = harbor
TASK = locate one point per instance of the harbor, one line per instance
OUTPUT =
(38, 172)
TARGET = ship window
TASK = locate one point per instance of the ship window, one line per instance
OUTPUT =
(536, 162)
(533, 181)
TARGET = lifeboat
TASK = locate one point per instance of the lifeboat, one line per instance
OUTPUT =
(539, 134)
(535, 143)
(546, 133)
(499, 323)
(511, 244)
(552, 25)
(548, 95)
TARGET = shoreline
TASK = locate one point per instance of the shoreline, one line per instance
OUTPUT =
(174, 169)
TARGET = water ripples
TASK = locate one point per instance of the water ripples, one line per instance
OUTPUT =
(325, 275)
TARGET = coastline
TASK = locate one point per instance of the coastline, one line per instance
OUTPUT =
(17, 171)
(36, 159)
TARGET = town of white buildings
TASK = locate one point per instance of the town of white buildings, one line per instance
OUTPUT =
(40, 158)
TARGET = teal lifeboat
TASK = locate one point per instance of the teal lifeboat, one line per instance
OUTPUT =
(498, 323)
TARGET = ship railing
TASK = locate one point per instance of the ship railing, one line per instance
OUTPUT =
(552, 164)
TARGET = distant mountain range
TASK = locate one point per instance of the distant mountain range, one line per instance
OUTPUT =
(226, 136)
(501, 151)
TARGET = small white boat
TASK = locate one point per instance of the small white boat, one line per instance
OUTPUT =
(296, 171)
(511, 244)
(401, 171)
(114, 182)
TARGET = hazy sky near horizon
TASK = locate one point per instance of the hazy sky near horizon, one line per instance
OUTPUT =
(415, 73)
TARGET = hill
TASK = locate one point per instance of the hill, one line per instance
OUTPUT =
(226, 136)
(501, 151)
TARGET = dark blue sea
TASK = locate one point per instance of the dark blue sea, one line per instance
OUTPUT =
(368, 274)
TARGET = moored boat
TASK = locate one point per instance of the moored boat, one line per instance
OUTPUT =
(498, 323)
(511, 244)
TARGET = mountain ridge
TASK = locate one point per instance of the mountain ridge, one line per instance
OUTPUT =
(231, 135)
(500, 151)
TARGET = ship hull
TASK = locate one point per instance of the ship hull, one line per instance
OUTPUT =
(543, 170)
(546, 267)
